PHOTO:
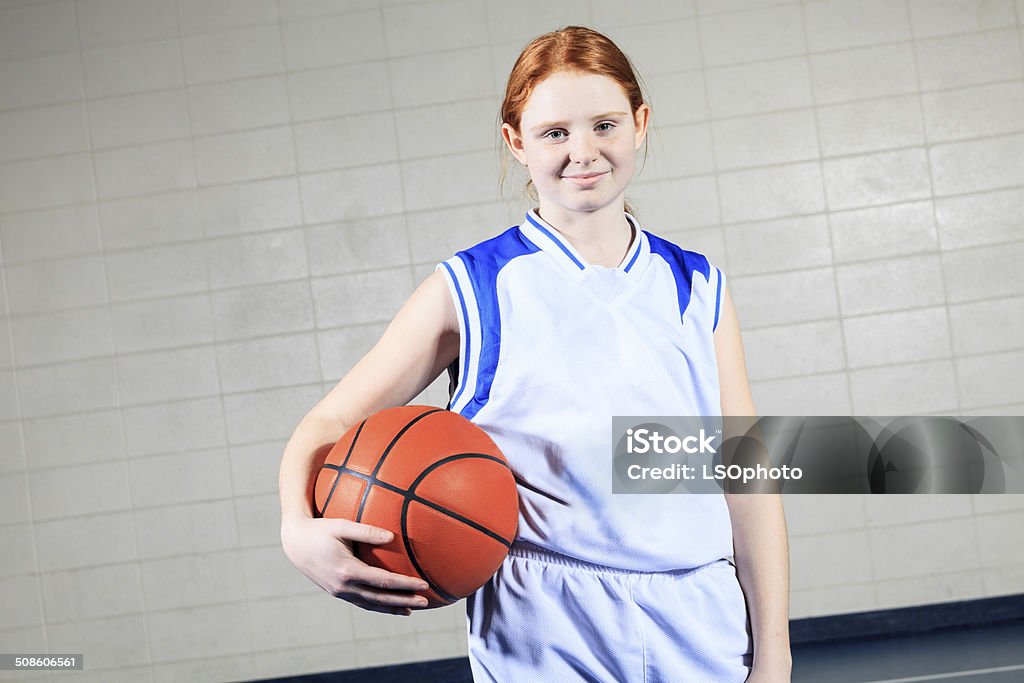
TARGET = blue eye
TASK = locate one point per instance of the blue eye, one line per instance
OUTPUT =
(606, 123)
(551, 134)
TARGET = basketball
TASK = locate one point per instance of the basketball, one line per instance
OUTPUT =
(435, 480)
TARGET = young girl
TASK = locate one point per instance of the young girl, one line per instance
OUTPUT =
(548, 330)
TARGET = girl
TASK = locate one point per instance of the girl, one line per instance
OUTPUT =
(548, 330)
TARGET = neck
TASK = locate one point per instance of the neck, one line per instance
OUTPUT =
(602, 237)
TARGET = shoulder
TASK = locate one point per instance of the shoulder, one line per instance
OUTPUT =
(500, 248)
(686, 261)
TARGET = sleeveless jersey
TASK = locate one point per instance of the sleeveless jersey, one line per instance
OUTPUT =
(552, 348)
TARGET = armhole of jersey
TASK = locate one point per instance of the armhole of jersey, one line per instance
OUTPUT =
(463, 296)
(718, 297)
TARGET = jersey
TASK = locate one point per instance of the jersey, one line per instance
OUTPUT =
(552, 347)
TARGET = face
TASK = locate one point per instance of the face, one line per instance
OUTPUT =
(579, 140)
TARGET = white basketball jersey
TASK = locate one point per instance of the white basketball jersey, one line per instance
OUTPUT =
(552, 348)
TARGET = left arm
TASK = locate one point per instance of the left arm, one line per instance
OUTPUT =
(759, 533)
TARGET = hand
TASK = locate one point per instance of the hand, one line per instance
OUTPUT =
(322, 550)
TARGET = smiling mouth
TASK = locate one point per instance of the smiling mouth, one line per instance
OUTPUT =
(589, 179)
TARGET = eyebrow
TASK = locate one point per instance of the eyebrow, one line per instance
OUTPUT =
(558, 124)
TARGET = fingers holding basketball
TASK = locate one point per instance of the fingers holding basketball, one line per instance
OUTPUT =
(322, 550)
(378, 589)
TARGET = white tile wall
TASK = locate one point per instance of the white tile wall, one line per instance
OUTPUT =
(262, 309)
(837, 24)
(339, 90)
(106, 591)
(771, 192)
(76, 542)
(250, 207)
(189, 425)
(52, 181)
(238, 105)
(753, 35)
(969, 59)
(973, 220)
(864, 73)
(893, 230)
(198, 16)
(150, 220)
(870, 126)
(238, 53)
(46, 79)
(101, 22)
(136, 67)
(42, 131)
(50, 233)
(111, 642)
(663, 48)
(75, 439)
(145, 169)
(37, 29)
(209, 212)
(759, 87)
(136, 119)
(943, 17)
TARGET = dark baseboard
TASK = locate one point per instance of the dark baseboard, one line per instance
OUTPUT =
(887, 623)
(454, 670)
(905, 621)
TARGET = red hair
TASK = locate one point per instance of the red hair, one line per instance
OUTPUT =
(573, 48)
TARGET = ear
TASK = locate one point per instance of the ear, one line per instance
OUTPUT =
(514, 142)
(641, 118)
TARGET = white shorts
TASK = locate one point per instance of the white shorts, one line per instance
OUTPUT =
(548, 617)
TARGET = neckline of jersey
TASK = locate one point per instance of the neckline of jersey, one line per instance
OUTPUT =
(547, 238)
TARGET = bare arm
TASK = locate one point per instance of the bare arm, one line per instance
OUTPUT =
(418, 344)
(760, 539)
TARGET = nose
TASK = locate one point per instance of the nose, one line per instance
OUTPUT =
(582, 149)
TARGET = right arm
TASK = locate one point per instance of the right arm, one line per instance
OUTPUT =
(419, 343)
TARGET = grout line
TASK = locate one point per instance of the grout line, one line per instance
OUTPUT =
(928, 146)
(399, 160)
(214, 344)
(715, 171)
(828, 215)
(126, 468)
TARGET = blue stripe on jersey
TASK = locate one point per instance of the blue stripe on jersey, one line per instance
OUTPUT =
(718, 300)
(635, 256)
(683, 263)
(555, 240)
(483, 263)
(465, 318)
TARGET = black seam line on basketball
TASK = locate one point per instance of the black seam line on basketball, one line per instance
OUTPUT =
(412, 556)
(460, 456)
(410, 495)
(384, 455)
(331, 467)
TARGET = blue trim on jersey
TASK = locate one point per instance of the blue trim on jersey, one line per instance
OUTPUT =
(635, 256)
(483, 263)
(718, 300)
(465, 319)
(555, 240)
(683, 264)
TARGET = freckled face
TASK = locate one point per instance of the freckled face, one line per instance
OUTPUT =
(579, 140)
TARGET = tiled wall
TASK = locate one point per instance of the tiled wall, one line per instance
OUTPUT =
(210, 209)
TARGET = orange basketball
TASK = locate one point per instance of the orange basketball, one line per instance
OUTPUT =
(439, 483)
